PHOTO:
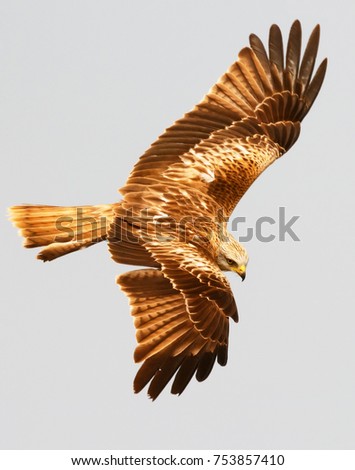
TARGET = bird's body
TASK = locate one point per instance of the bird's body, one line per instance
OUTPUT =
(175, 205)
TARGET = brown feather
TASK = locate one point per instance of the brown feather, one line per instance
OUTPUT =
(166, 334)
(248, 119)
(62, 230)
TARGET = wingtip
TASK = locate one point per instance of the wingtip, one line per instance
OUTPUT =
(252, 37)
(316, 31)
(296, 23)
(324, 64)
(317, 27)
(275, 28)
(152, 397)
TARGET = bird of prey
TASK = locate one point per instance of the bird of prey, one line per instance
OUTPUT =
(176, 203)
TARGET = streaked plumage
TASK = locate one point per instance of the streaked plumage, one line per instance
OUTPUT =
(176, 202)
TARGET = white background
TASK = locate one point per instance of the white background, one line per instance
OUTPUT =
(86, 87)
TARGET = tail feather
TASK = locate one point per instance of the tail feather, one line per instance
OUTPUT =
(61, 230)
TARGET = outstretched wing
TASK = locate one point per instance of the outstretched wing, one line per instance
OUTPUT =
(250, 117)
(181, 314)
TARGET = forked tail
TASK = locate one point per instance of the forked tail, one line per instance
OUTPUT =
(62, 230)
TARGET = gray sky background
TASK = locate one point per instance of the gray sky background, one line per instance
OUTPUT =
(86, 87)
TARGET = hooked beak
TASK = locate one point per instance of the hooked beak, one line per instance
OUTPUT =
(241, 270)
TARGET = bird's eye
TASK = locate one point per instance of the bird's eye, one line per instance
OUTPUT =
(230, 261)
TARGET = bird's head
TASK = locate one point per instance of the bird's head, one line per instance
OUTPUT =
(232, 256)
